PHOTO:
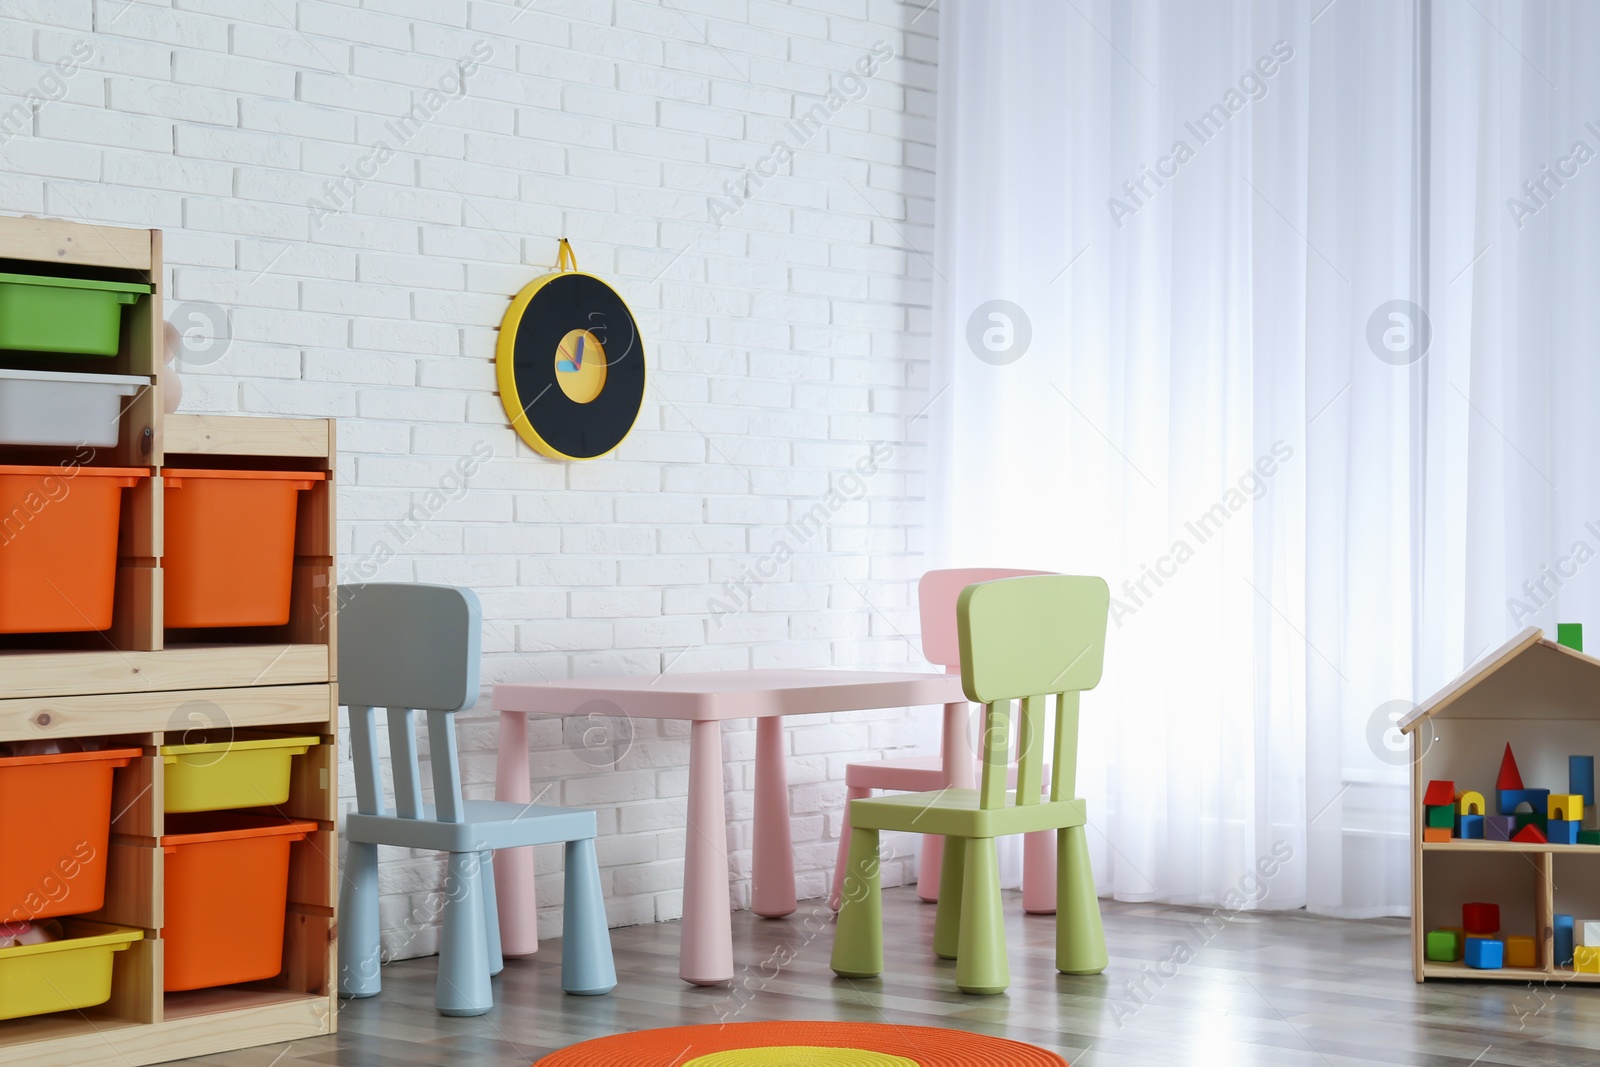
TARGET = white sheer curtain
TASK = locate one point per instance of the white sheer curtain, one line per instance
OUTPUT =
(1216, 225)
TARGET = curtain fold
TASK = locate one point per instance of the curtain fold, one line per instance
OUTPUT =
(1233, 308)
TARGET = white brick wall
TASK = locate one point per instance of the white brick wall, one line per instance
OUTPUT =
(784, 342)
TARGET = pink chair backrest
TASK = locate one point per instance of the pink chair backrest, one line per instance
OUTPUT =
(937, 594)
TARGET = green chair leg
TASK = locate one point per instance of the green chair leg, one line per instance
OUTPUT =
(1080, 939)
(981, 965)
(947, 920)
(858, 937)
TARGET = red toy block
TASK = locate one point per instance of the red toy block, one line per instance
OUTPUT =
(1481, 920)
(1510, 777)
(1531, 835)
(1440, 794)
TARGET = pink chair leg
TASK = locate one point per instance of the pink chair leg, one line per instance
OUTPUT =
(772, 892)
(706, 952)
(513, 867)
(1039, 873)
(928, 867)
(842, 859)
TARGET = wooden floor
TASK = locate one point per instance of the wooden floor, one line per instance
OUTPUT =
(1279, 990)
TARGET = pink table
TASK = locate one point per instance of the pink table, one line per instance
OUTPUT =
(705, 700)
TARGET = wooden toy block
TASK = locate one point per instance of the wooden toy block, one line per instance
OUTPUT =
(1580, 777)
(1586, 960)
(1589, 837)
(1471, 803)
(1531, 835)
(1567, 806)
(1562, 832)
(1441, 817)
(1510, 800)
(1433, 834)
(1444, 946)
(1484, 954)
(1480, 920)
(1563, 932)
(1521, 952)
(1439, 792)
(1499, 827)
(1586, 932)
(1570, 634)
(1509, 777)
(1530, 818)
(1469, 827)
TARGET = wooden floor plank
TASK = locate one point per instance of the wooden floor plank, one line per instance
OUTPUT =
(1283, 990)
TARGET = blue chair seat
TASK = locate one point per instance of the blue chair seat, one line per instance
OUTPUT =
(489, 824)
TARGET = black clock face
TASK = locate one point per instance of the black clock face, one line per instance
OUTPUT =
(570, 364)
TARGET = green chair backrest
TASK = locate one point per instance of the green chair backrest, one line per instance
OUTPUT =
(1025, 639)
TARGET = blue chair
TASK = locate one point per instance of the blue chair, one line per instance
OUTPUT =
(411, 648)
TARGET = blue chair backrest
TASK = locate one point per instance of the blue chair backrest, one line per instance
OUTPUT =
(408, 648)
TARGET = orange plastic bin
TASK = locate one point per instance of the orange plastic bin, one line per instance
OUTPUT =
(54, 832)
(229, 557)
(227, 885)
(58, 546)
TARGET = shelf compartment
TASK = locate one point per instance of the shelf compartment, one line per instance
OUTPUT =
(61, 409)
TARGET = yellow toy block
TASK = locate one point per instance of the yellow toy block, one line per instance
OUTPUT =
(1471, 803)
(1567, 806)
(1586, 959)
(1521, 952)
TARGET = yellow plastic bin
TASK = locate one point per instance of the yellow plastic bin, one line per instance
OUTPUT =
(242, 771)
(62, 975)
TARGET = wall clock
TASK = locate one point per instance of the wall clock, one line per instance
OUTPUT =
(570, 363)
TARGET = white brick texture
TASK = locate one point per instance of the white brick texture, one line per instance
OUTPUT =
(364, 185)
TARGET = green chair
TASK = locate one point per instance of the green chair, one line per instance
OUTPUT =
(1021, 639)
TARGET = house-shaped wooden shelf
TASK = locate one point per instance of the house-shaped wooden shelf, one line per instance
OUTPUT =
(1544, 700)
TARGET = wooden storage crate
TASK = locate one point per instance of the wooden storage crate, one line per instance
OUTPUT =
(144, 687)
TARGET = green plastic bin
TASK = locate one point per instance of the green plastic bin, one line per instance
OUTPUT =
(72, 316)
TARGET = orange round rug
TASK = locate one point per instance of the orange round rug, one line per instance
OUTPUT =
(801, 1044)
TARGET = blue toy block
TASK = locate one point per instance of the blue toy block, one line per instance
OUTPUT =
(1580, 778)
(1562, 831)
(1511, 799)
(1469, 827)
(1485, 954)
(1499, 827)
(1563, 925)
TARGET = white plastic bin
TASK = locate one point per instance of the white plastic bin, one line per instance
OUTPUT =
(59, 408)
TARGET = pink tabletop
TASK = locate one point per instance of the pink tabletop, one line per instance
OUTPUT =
(718, 695)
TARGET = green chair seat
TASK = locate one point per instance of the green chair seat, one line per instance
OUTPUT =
(955, 812)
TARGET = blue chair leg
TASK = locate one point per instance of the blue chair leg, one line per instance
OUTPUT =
(463, 986)
(587, 968)
(491, 912)
(359, 951)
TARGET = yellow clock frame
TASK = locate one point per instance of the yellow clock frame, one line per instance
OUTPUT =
(561, 410)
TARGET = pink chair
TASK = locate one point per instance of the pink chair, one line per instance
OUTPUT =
(937, 593)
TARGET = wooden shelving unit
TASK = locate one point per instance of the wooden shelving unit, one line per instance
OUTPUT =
(1544, 700)
(146, 686)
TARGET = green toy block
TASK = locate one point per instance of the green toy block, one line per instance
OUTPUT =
(1444, 946)
(1534, 818)
(1570, 634)
(1442, 817)
(1589, 837)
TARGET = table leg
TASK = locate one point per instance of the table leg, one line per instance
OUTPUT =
(957, 747)
(513, 867)
(706, 952)
(772, 875)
